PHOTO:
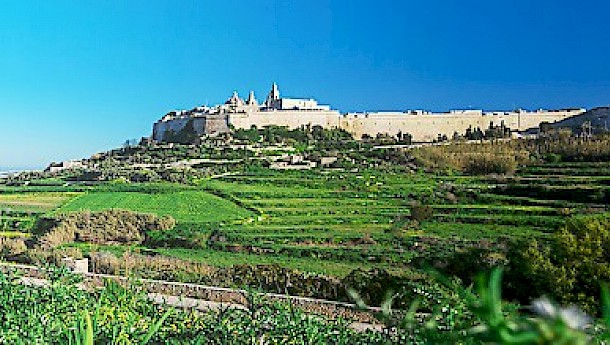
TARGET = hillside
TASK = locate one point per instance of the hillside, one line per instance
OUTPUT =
(314, 213)
(598, 118)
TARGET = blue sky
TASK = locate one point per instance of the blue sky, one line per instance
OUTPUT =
(77, 77)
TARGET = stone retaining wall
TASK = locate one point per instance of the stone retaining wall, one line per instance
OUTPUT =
(326, 308)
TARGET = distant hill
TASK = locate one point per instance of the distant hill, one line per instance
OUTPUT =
(598, 117)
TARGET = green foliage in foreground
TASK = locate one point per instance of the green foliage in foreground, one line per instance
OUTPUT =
(569, 268)
(482, 317)
(61, 313)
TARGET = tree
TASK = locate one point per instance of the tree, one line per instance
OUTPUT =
(571, 268)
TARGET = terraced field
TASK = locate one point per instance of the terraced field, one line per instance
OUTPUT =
(185, 206)
(335, 221)
(353, 218)
(34, 202)
(580, 187)
(19, 211)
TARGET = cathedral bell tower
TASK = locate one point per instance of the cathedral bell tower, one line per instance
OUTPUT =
(273, 97)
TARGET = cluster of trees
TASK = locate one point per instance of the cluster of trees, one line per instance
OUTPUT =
(477, 159)
(306, 134)
(570, 267)
(386, 139)
(492, 132)
(504, 157)
(572, 149)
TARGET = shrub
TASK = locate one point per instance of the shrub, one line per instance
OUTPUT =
(373, 286)
(41, 257)
(421, 213)
(484, 164)
(103, 227)
(11, 247)
(570, 268)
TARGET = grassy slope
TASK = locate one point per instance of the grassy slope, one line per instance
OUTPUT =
(34, 202)
(184, 206)
(309, 218)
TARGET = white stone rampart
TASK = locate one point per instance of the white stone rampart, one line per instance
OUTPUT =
(294, 113)
(289, 118)
(427, 126)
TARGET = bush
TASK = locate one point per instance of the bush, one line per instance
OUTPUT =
(10, 247)
(490, 164)
(111, 226)
(421, 213)
(570, 268)
(41, 257)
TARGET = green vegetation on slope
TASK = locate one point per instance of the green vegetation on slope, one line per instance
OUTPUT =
(184, 206)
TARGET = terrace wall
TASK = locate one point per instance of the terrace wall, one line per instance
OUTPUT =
(327, 308)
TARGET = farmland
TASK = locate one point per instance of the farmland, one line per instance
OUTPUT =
(381, 220)
(332, 222)
(18, 212)
(184, 206)
(378, 220)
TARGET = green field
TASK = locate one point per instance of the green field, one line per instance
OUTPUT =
(334, 221)
(19, 211)
(184, 206)
(34, 202)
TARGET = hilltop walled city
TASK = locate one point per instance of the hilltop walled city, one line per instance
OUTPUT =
(422, 125)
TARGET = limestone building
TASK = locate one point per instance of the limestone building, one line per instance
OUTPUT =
(294, 112)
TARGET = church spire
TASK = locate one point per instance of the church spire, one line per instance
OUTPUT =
(274, 95)
(275, 92)
(235, 100)
(251, 99)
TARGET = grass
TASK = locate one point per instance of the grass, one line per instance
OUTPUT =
(225, 259)
(34, 202)
(14, 234)
(315, 221)
(184, 206)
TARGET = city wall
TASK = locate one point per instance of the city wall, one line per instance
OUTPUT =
(422, 126)
(162, 127)
(202, 125)
(427, 127)
(288, 118)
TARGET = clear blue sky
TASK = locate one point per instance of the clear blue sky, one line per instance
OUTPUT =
(77, 77)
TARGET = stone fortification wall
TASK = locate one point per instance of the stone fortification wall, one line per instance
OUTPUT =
(290, 119)
(203, 125)
(295, 112)
(422, 126)
(427, 127)
(215, 124)
(162, 127)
